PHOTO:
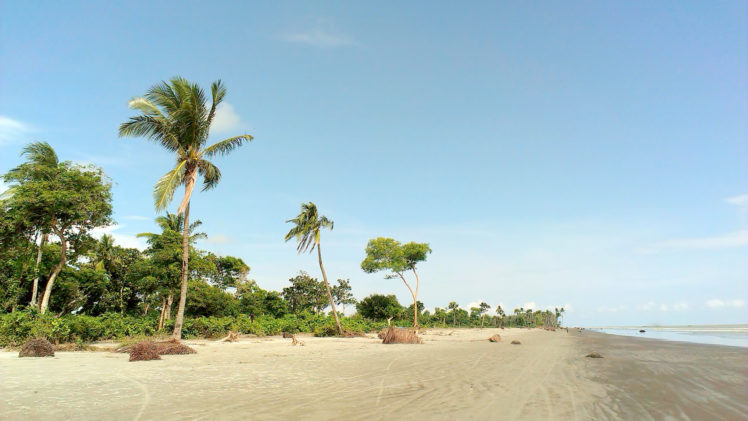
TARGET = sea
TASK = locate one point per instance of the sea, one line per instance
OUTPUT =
(732, 335)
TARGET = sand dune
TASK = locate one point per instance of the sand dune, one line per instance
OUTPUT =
(455, 374)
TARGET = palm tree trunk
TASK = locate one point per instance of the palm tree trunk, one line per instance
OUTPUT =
(55, 272)
(177, 334)
(329, 294)
(35, 287)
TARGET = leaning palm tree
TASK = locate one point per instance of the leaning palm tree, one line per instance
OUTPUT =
(306, 230)
(41, 163)
(176, 115)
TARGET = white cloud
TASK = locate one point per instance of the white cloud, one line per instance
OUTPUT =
(226, 119)
(648, 306)
(717, 303)
(681, 306)
(530, 305)
(122, 240)
(740, 201)
(320, 38)
(729, 240)
(11, 130)
(220, 239)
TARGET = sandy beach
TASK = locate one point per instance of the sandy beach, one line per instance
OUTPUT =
(455, 374)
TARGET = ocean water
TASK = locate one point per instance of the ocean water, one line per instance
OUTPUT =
(732, 335)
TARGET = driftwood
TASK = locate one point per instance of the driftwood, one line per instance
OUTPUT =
(295, 341)
(593, 355)
(231, 337)
(516, 342)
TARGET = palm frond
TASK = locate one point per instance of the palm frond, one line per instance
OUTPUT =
(163, 192)
(210, 173)
(40, 153)
(145, 106)
(226, 145)
(218, 92)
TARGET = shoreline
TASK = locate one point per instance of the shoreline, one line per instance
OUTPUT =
(455, 374)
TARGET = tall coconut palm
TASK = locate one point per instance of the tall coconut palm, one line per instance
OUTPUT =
(176, 115)
(41, 163)
(306, 230)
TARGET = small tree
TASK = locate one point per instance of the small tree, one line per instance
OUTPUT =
(500, 313)
(389, 255)
(379, 307)
(342, 295)
(484, 307)
(305, 293)
(453, 306)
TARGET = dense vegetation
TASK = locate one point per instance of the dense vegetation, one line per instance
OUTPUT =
(58, 281)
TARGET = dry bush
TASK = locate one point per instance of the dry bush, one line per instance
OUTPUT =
(593, 355)
(382, 333)
(173, 347)
(144, 351)
(37, 348)
(516, 342)
(396, 335)
(495, 338)
(287, 335)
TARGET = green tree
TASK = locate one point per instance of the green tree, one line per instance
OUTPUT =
(454, 307)
(342, 295)
(305, 293)
(379, 307)
(69, 201)
(307, 227)
(166, 256)
(177, 116)
(389, 255)
(500, 313)
(41, 164)
(484, 307)
(229, 270)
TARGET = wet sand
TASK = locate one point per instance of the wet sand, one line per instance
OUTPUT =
(455, 374)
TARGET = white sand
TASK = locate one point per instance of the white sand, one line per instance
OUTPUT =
(456, 374)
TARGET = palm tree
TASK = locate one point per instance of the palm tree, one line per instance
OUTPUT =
(500, 313)
(453, 306)
(176, 115)
(484, 307)
(41, 163)
(175, 222)
(306, 230)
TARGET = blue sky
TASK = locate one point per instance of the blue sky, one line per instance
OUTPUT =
(586, 154)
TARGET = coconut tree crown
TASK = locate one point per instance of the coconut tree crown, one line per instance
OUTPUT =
(307, 227)
(176, 116)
